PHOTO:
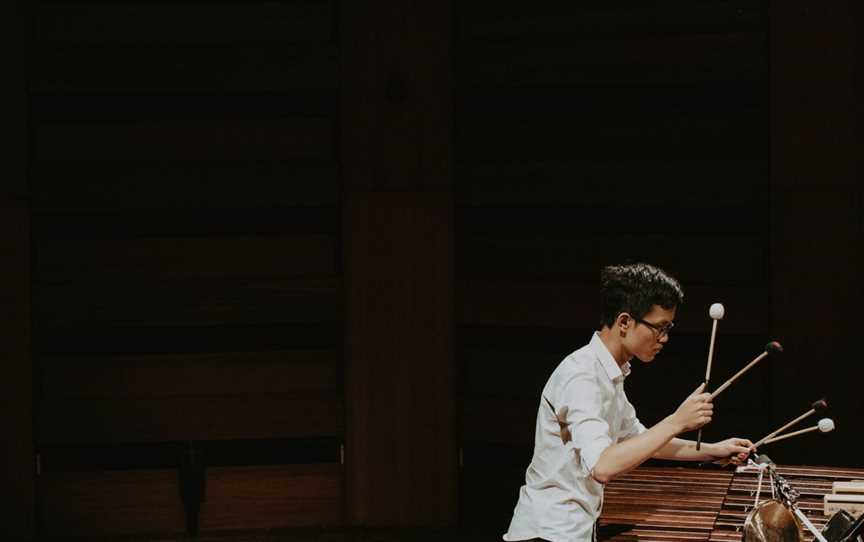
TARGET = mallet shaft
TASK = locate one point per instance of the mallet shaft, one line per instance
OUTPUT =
(792, 434)
(771, 435)
(729, 382)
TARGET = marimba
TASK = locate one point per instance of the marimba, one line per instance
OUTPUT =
(685, 504)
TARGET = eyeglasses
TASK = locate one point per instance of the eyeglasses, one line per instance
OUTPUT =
(662, 330)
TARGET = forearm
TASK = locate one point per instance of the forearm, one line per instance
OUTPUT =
(685, 450)
(628, 454)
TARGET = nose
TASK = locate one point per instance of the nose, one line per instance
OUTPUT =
(663, 339)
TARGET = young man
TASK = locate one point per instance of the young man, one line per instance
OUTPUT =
(587, 431)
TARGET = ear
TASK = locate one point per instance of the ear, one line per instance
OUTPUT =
(623, 321)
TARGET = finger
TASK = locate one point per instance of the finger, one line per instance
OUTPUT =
(699, 389)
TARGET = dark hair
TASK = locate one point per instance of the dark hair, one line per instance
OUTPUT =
(634, 288)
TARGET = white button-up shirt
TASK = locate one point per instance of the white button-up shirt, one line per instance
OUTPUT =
(560, 500)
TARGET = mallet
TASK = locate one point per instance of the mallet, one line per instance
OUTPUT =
(817, 406)
(716, 312)
(771, 348)
(825, 425)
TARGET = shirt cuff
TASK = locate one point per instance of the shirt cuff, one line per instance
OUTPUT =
(590, 454)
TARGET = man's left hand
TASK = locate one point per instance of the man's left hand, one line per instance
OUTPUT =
(734, 450)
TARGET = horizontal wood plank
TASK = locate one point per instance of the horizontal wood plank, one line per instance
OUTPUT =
(188, 418)
(505, 19)
(561, 304)
(717, 259)
(247, 257)
(672, 135)
(278, 496)
(184, 22)
(213, 140)
(113, 186)
(672, 184)
(111, 503)
(148, 501)
(566, 60)
(123, 302)
(167, 375)
(188, 68)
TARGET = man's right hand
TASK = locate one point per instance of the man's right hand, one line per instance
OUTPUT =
(695, 411)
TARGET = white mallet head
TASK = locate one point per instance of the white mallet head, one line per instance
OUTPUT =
(826, 425)
(717, 311)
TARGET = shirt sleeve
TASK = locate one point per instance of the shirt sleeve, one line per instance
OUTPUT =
(631, 426)
(590, 432)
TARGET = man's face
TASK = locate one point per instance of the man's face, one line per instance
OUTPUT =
(649, 334)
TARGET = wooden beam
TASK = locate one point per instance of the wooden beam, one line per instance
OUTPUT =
(17, 478)
(396, 152)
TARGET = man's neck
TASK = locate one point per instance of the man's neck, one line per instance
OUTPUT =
(613, 343)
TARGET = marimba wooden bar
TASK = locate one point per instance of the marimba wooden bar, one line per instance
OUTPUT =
(704, 504)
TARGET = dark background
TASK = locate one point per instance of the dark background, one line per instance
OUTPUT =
(332, 250)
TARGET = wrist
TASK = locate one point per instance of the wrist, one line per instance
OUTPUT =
(673, 425)
(710, 450)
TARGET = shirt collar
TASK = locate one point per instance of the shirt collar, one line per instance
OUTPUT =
(613, 370)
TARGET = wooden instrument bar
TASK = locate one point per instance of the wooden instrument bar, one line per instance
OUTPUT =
(654, 503)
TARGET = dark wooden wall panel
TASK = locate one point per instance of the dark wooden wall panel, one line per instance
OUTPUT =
(249, 46)
(109, 502)
(595, 134)
(187, 282)
(816, 232)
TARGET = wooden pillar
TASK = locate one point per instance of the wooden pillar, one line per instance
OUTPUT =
(398, 256)
(816, 232)
(16, 388)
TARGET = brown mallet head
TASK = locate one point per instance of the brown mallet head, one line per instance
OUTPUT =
(821, 404)
(773, 347)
